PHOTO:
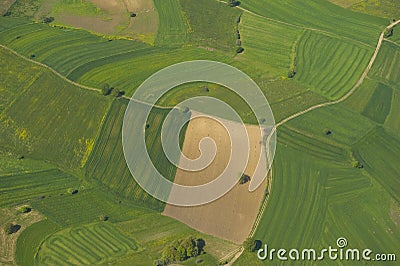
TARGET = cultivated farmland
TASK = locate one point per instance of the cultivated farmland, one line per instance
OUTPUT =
(333, 72)
(86, 245)
(336, 169)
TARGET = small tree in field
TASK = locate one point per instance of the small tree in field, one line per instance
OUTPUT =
(12, 228)
(105, 89)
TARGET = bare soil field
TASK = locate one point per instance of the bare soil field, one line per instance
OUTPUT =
(230, 217)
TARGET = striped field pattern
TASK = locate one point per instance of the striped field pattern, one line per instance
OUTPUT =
(85, 245)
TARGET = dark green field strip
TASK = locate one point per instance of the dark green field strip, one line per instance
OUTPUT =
(127, 74)
(360, 98)
(379, 105)
(393, 118)
(218, 30)
(346, 127)
(19, 188)
(86, 245)
(335, 71)
(387, 65)
(379, 154)
(311, 146)
(31, 238)
(321, 15)
(86, 207)
(173, 29)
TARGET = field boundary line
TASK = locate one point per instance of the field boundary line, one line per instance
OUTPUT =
(392, 42)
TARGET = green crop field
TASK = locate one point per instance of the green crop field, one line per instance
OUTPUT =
(387, 64)
(173, 28)
(85, 245)
(28, 126)
(320, 16)
(268, 45)
(20, 188)
(107, 163)
(334, 71)
(31, 239)
(204, 15)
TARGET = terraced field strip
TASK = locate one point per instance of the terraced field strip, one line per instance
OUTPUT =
(107, 164)
(388, 64)
(173, 28)
(268, 44)
(322, 17)
(85, 245)
(22, 187)
(371, 151)
(333, 72)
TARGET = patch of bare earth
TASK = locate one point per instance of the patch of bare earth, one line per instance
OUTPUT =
(5, 5)
(145, 25)
(344, 3)
(395, 213)
(8, 242)
(232, 216)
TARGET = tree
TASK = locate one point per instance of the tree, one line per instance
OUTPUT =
(239, 50)
(250, 244)
(244, 179)
(388, 33)
(25, 209)
(12, 228)
(48, 20)
(105, 89)
(233, 3)
(116, 93)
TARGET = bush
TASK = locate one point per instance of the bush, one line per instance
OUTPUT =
(25, 209)
(105, 89)
(388, 33)
(233, 3)
(48, 20)
(116, 93)
(103, 218)
(250, 244)
(12, 228)
(239, 50)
